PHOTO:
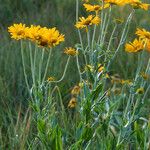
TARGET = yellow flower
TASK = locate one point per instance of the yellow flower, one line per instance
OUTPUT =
(76, 90)
(32, 33)
(54, 37)
(85, 22)
(107, 76)
(128, 82)
(100, 68)
(145, 76)
(116, 2)
(118, 21)
(86, 1)
(48, 37)
(17, 31)
(134, 47)
(143, 34)
(148, 46)
(96, 20)
(140, 90)
(116, 91)
(138, 4)
(95, 8)
(115, 78)
(72, 103)
(42, 36)
(51, 79)
(71, 51)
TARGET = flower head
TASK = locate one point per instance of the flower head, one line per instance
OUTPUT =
(136, 4)
(145, 76)
(45, 37)
(72, 103)
(86, 1)
(127, 82)
(147, 46)
(32, 33)
(76, 90)
(143, 34)
(101, 68)
(17, 31)
(85, 22)
(140, 90)
(116, 2)
(95, 8)
(71, 51)
(135, 46)
(50, 79)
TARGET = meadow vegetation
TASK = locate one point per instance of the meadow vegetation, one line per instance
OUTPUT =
(75, 74)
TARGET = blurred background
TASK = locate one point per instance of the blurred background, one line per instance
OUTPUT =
(49, 13)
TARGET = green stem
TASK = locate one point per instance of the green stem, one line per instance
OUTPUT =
(93, 38)
(111, 37)
(31, 63)
(146, 93)
(40, 65)
(47, 65)
(35, 56)
(102, 21)
(106, 27)
(102, 30)
(56, 88)
(24, 71)
(77, 16)
(63, 73)
(122, 38)
(88, 39)
(78, 66)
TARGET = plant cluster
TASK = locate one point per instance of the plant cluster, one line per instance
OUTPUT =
(104, 111)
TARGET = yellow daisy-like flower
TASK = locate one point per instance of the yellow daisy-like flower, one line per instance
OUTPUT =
(107, 76)
(148, 46)
(116, 91)
(76, 90)
(140, 90)
(72, 103)
(95, 8)
(115, 79)
(41, 37)
(86, 1)
(135, 46)
(101, 68)
(118, 20)
(54, 37)
(145, 76)
(96, 20)
(51, 79)
(143, 34)
(32, 33)
(48, 37)
(85, 22)
(138, 4)
(116, 2)
(128, 82)
(17, 31)
(71, 51)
